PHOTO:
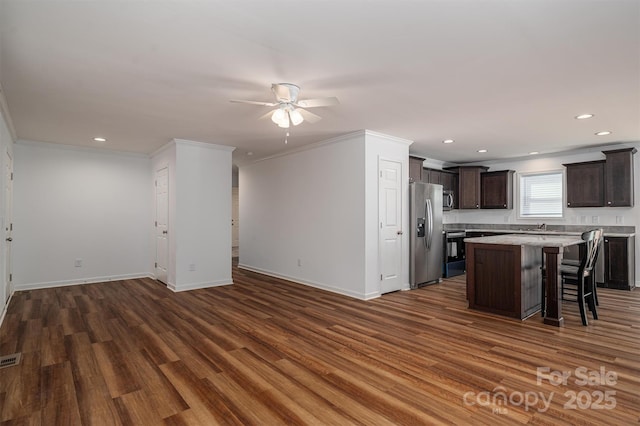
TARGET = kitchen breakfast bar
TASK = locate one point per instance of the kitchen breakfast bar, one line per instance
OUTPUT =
(504, 274)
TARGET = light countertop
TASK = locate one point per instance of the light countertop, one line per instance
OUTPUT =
(549, 232)
(528, 240)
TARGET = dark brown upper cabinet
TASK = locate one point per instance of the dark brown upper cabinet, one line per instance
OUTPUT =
(432, 176)
(415, 169)
(469, 186)
(585, 184)
(619, 177)
(497, 189)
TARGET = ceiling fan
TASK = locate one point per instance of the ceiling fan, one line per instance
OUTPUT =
(289, 109)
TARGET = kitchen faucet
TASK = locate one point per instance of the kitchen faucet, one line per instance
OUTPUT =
(542, 226)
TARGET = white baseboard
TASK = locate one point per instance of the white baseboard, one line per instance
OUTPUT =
(196, 286)
(313, 284)
(92, 280)
(5, 307)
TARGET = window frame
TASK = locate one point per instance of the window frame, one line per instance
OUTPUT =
(521, 175)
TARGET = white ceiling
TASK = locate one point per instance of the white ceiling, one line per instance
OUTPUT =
(508, 76)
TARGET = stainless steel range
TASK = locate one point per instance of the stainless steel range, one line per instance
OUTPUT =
(454, 258)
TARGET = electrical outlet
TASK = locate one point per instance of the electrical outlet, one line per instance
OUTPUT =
(78, 263)
(594, 219)
(619, 220)
(192, 267)
(299, 262)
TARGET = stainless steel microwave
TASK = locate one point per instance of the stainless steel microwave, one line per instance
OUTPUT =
(447, 200)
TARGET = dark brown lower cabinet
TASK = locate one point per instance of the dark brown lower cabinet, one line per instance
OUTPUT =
(619, 262)
(504, 279)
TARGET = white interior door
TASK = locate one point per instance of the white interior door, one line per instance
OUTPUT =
(162, 220)
(235, 207)
(8, 197)
(390, 213)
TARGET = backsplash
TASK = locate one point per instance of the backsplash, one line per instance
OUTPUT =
(520, 227)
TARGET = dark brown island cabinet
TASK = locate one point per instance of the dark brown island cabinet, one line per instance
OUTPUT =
(504, 279)
(619, 262)
(585, 184)
(497, 189)
(619, 177)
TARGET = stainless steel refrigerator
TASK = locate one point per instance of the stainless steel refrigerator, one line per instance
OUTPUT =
(425, 218)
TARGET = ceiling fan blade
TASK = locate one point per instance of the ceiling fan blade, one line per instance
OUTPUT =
(267, 115)
(309, 116)
(253, 102)
(320, 102)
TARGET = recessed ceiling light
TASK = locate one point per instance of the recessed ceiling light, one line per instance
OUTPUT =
(534, 152)
(98, 139)
(482, 150)
(447, 141)
(603, 133)
(584, 116)
(250, 153)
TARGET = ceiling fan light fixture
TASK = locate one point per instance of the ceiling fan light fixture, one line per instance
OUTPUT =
(278, 116)
(296, 117)
(284, 123)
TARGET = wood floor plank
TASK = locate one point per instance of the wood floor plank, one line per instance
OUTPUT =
(53, 350)
(59, 401)
(268, 351)
(116, 370)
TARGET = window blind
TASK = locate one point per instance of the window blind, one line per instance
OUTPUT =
(541, 195)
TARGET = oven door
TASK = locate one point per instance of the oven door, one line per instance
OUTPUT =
(455, 246)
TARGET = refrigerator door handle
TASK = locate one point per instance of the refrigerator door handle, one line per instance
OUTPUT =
(429, 211)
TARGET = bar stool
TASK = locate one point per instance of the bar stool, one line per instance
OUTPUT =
(577, 277)
(584, 288)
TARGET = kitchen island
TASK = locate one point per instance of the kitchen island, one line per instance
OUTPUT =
(504, 274)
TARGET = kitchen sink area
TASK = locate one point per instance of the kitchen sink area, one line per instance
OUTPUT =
(615, 267)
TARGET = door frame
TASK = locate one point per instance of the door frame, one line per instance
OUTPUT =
(8, 218)
(158, 168)
(403, 221)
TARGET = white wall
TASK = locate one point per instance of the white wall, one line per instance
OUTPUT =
(602, 216)
(378, 146)
(309, 206)
(319, 206)
(74, 203)
(203, 215)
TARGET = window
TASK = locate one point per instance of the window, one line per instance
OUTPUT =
(541, 195)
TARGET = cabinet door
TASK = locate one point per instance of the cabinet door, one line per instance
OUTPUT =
(469, 192)
(435, 176)
(619, 178)
(497, 190)
(415, 169)
(446, 180)
(585, 184)
(616, 263)
(455, 184)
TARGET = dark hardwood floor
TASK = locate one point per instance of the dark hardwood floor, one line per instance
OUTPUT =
(265, 351)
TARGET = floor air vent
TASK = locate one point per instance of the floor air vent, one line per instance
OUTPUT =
(10, 360)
